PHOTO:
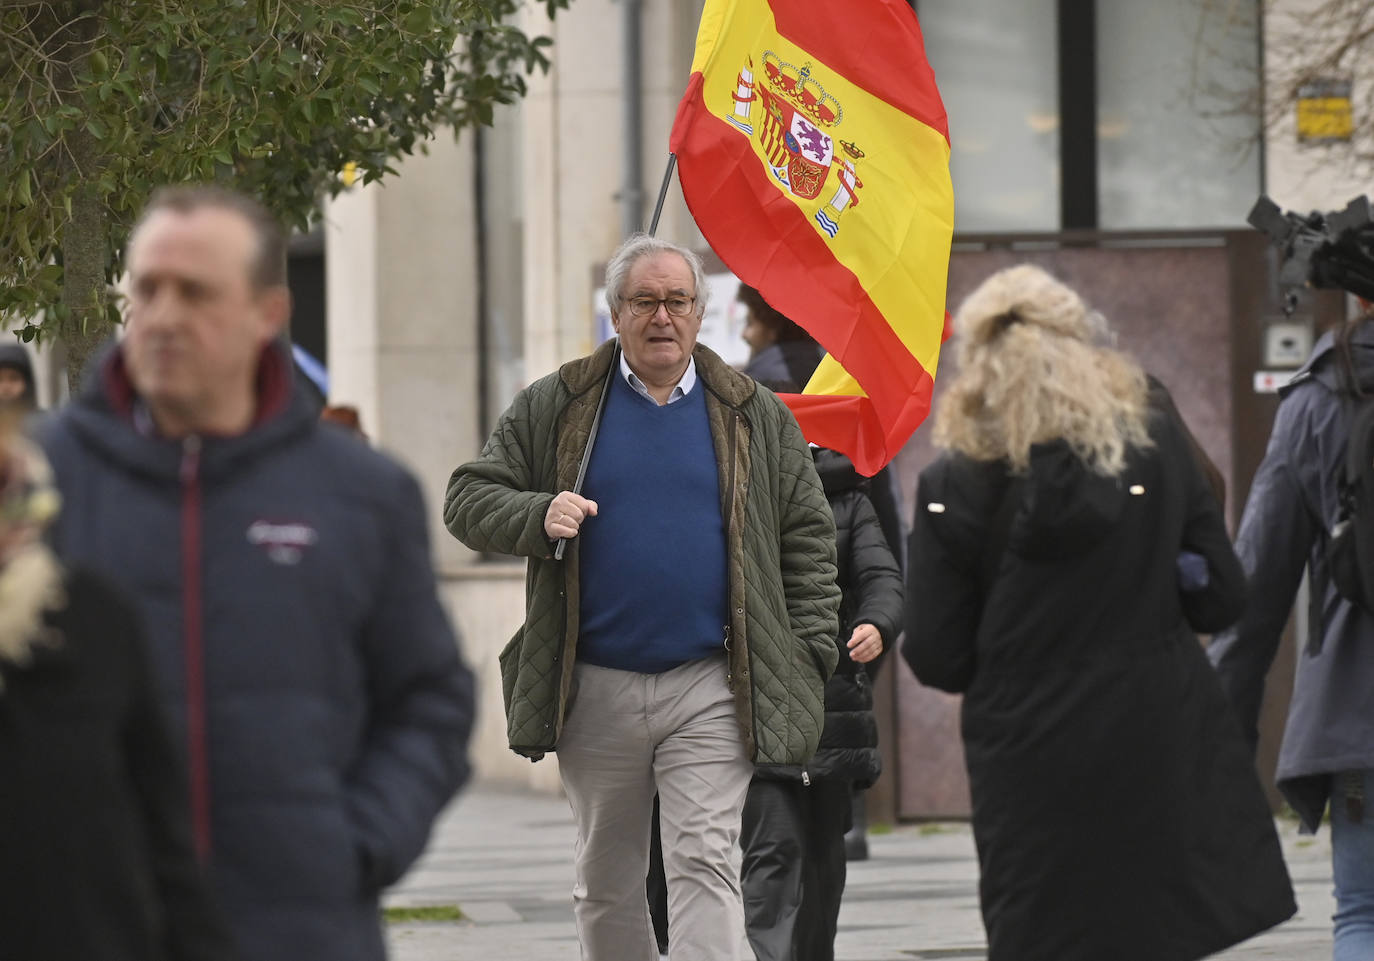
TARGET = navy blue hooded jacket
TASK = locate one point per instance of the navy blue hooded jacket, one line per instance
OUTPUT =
(285, 579)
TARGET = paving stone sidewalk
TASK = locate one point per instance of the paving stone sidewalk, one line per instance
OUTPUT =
(505, 859)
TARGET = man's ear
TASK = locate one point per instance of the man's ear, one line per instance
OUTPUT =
(615, 322)
(274, 306)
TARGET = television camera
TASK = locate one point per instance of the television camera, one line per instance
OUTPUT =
(1332, 250)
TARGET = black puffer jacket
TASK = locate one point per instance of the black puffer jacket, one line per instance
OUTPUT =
(871, 592)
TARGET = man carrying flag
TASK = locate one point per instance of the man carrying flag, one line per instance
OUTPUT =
(813, 152)
(686, 637)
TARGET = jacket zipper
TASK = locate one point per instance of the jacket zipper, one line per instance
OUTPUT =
(193, 645)
(730, 487)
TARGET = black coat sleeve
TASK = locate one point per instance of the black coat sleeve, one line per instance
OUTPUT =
(1222, 601)
(875, 582)
(887, 504)
(943, 597)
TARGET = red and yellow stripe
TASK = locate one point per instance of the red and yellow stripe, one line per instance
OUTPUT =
(874, 294)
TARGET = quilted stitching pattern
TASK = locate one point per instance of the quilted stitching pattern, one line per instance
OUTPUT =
(497, 503)
(788, 551)
(782, 651)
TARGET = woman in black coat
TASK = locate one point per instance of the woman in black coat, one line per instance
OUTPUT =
(1063, 551)
(96, 860)
(794, 820)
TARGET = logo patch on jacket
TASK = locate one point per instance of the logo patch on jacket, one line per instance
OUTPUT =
(284, 543)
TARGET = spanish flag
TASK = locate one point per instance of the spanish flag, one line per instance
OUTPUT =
(813, 153)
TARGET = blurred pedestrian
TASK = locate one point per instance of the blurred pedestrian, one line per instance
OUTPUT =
(346, 416)
(687, 634)
(795, 817)
(283, 570)
(783, 355)
(780, 350)
(96, 859)
(17, 387)
(1327, 754)
(1116, 809)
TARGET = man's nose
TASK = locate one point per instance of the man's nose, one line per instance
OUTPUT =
(157, 309)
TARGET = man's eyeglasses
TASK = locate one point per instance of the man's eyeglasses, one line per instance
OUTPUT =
(676, 306)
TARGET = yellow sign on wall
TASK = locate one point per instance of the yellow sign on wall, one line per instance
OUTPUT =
(1325, 113)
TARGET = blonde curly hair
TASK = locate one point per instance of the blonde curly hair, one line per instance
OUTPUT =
(1033, 367)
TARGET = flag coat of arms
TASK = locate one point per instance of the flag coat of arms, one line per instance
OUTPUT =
(813, 153)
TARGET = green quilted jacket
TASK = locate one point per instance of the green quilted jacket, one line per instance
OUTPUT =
(783, 598)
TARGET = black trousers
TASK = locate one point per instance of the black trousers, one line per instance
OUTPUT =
(793, 869)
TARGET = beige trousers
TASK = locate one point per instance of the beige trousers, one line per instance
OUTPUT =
(627, 735)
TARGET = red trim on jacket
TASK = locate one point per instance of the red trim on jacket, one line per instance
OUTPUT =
(197, 739)
(273, 384)
(116, 384)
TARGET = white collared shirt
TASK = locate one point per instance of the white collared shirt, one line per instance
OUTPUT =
(683, 388)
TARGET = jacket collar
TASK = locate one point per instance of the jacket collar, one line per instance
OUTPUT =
(732, 387)
(1321, 363)
(114, 386)
(103, 417)
(837, 472)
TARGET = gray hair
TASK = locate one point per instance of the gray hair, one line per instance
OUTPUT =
(639, 246)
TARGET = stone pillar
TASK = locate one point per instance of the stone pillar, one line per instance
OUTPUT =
(573, 130)
(401, 289)
(402, 318)
(1306, 177)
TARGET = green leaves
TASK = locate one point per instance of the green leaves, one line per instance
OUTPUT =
(272, 96)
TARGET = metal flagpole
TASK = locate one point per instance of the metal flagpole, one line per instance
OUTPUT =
(591, 439)
(662, 192)
(562, 544)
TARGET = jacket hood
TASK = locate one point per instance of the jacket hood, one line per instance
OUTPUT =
(16, 357)
(837, 472)
(105, 416)
(1065, 507)
(720, 378)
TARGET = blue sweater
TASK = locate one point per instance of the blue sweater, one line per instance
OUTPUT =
(653, 559)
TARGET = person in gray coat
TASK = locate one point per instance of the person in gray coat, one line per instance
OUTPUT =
(1328, 742)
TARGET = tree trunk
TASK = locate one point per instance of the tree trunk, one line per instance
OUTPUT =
(84, 237)
(84, 257)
